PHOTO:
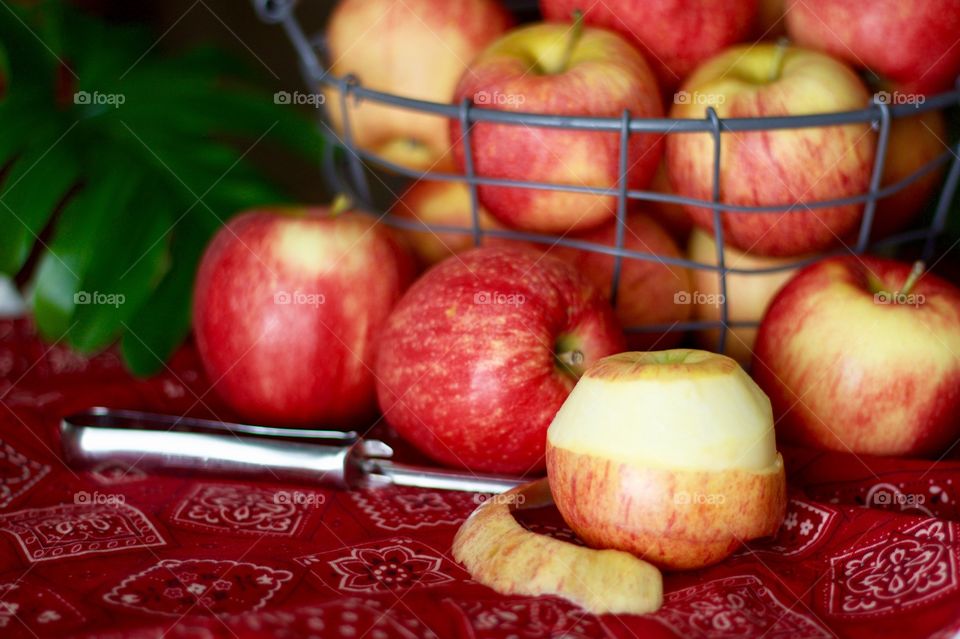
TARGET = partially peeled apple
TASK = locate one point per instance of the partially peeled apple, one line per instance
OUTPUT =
(660, 459)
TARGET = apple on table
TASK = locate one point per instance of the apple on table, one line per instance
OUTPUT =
(862, 355)
(558, 70)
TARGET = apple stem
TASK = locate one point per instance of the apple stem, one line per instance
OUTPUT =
(341, 203)
(575, 32)
(779, 54)
(572, 362)
(915, 273)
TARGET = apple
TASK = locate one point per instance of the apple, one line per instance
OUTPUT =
(287, 308)
(674, 36)
(789, 167)
(673, 217)
(669, 455)
(913, 143)
(859, 354)
(748, 295)
(481, 351)
(558, 70)
(415, 49)
(770, 19)
(648, 290)
(503, 555)
(440, 203)
(909, 42)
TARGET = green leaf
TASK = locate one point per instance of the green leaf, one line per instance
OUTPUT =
(66, 261)
(31, 192)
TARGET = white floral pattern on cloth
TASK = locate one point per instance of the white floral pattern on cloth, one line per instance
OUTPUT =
(18, 474)
(734, 607)
(28, 608)
(896, 573)
(203, 586)
(382, 566)
(116, 472)
(525, 618)
(403, 508)
(350, 618)
(805, 527)
(71, 530)
(245, 509)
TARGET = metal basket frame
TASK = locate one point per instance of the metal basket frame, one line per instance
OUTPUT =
(353, 181)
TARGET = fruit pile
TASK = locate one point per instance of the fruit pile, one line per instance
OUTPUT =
(320, 317)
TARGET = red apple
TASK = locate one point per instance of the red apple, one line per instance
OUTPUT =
(483, 349)
(913, 43)
(770, 19)
(416, 49)
(287, 308)
(649, 290)
(857, 358)
(673, 217)
(789, 167)
(674, 36)
(554, 69)
(440, 203)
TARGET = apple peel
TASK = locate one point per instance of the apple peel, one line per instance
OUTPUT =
(503, 555)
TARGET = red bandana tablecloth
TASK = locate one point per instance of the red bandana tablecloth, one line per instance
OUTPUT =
(869, 548)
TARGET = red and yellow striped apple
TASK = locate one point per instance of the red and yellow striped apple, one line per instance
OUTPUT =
(857, 355)
(483, 349)
(912, 43)
(287, 307)
(789, 167)
(554, 69)
(415, 49)
(674, 36)
(669, 455)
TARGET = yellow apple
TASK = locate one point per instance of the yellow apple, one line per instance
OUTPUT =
(503, 555)
(669, 455)
(747, 295)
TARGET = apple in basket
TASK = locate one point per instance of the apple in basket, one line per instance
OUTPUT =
(665, 457)
(564, 71)
(861, 354)
(788, 167)
(911, 43)
(287, 306)
(481, 352)
(414, 49)
(673, 36)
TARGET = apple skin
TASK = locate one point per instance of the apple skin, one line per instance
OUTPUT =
(587, 488)
(909, 42)
(914, 142)
(673, 217)
(768, 168)
(473, 383)
(748, 296)
(674, 36)
(845, 373)
(296, 363)
(647, 289)
(604, 77)
(415, 49)
(441, 203)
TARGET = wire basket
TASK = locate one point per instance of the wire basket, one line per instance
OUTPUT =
(348, 170)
